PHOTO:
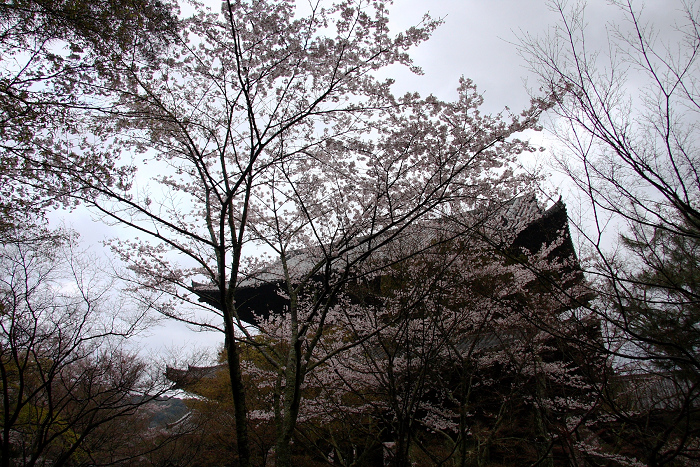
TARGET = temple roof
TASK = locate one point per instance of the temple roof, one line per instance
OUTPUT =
(192, 375)
(533, 227)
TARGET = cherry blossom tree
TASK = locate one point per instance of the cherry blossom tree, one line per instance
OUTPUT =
(451, 367)
(265, 126)
(455, 367)
(51, 54)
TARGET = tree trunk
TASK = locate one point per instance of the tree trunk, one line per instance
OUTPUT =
(401, 458)
(238, 390)
(292, 401)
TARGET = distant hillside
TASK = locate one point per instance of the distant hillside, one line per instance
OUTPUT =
(166, 410)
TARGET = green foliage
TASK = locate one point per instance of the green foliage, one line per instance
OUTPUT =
(109, 27)
(661, 299)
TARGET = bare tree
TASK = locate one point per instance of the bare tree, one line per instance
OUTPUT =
(626, 116)
(66, 379)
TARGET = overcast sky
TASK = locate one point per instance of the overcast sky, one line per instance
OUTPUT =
(476, 41)
(478, 36)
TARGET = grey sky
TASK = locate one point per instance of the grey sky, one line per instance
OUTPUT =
(475, 41)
